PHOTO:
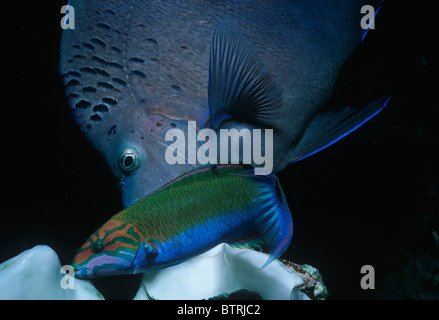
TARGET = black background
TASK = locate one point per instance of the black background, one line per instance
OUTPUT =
(370, 199)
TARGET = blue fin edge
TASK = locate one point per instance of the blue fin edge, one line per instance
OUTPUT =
(345, 133)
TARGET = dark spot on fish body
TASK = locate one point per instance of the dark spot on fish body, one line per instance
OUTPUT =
(184, 47)
(138, 73)
(173, 125)
(82, 104)
(110, 12)
(72, 95)
(112, 130)
(76, 46)
(175, 87)
(100, 60)
(102, 72)
(115, 65)
(100, 108)
(154, 60)
(98, 42)
(103, 26)
(96, 117)
(87, 70)
(152, 40)
(135, 59)
(88, 45)
(120, 81)
(72, 83)
(74, 73)
(109, 101)
(116, 49)
(105, 85)
(89, 89)
(79, 56)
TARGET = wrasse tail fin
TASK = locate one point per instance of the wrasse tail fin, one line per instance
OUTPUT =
(274, 222)
(329, 127)
(239, 86)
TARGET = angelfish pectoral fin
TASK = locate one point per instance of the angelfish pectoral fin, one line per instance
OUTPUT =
(240, 86)
(329, 127)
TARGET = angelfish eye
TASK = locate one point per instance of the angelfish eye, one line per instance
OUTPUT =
(98, 248)
(129, 159)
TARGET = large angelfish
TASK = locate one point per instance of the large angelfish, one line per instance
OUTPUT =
(134, 69)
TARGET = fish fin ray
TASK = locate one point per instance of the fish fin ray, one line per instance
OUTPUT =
(329, 127)
(273, 222)
(239, 84)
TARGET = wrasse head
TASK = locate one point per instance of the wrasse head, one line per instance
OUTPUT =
(111, 250)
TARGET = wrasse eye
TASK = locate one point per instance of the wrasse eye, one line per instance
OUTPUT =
(98, 248)
(129, 159)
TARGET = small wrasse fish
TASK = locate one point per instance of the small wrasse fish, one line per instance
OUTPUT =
(188, 216)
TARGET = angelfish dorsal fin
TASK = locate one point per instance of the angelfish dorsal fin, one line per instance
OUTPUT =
(239, 84)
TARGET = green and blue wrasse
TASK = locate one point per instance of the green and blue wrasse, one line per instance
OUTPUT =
(188, 216)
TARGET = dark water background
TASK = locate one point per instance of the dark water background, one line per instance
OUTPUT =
(370, 199)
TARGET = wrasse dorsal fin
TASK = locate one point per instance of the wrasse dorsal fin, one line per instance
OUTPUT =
(239, 84)
(329, 127)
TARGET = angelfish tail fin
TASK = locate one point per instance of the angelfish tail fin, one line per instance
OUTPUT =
(329, 127)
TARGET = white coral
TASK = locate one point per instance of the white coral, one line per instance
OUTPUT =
(35, 274)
